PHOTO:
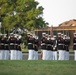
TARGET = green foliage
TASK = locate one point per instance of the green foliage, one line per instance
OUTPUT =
(26, 13)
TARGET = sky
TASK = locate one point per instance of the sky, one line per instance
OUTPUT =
(57, 11)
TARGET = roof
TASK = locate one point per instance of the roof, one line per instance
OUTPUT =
(69, 23)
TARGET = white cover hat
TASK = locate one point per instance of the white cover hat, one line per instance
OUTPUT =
(59, 33)
(43, 33)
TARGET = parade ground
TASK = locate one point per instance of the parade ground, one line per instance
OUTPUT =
(39, 67)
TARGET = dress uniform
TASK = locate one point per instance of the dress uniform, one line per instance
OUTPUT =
(15, 47)
(63, 51)
(55, 48)
(74, 46)
(36, 46)
(60, 46)
(49, 47)
(0, 46)
(12, 41)
(66, 48)
(43, 46)
(30, 42)
(19, 54)
(6, 48)
(2, 49)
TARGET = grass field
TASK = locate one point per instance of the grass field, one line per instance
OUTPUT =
(39, 67)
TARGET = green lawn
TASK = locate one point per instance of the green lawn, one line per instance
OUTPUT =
(39, 67)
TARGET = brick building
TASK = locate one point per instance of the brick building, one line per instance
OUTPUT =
(68, 28)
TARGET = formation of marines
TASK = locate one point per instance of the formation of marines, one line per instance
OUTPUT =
(10, 48)
(52, 47)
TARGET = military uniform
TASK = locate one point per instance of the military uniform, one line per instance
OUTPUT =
(6, 48)
(60, 47)
(12, 41)
(2, 49)
(15, 46)
(74, 46)
(49, 47)
(54, 49)
(66, 48)
(30, 42)
(43, 47)
(36, 45)
(19, 51)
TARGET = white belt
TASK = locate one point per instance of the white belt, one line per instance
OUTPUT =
(60, 44)
(11, 43)
(66, 45)
(29, 43)
(48, 44)
(74, 43)
(43, 44)
(6, 44)
(2, 43)
(55, 46)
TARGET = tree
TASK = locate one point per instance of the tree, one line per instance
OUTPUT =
(21, 14)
